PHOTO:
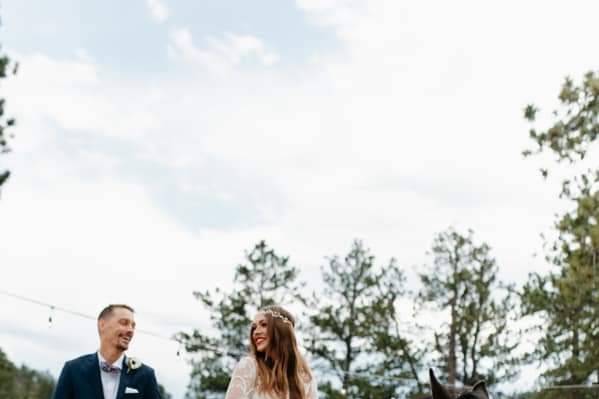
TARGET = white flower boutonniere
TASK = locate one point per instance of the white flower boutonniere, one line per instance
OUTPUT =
(133, 364)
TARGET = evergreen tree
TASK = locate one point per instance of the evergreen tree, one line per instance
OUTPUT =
(23, 382)
(265, 279)
(566, 299)
(463, 281)
(400, 356)
(6, 68)
(352, 334)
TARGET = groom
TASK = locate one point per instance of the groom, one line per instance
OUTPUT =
(108, 373)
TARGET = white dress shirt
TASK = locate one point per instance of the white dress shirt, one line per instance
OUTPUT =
(110, 381)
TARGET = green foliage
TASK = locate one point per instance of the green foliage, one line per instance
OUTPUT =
(463, 280)
(353, 320)
(399, 357)
(581, 392)
(6, 68)
(23, 382)
(7, 373)
(163, 393)
(566, 299)
(576, 124)
(265, 279)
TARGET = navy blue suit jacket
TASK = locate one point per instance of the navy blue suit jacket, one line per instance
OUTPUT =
(80, 379)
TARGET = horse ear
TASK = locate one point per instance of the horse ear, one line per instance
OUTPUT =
(480, 389)
(438, 391)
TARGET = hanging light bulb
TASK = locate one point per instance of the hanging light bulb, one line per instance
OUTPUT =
(51, 317)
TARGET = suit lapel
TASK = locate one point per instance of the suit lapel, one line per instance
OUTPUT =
(94, 376)
(123, 380)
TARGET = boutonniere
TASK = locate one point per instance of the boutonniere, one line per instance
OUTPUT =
(132, 364)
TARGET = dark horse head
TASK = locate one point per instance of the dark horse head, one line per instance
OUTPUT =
(478, 391)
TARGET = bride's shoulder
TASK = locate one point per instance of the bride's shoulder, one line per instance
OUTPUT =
(247, 363)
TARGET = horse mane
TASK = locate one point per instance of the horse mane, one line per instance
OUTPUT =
(441, 391)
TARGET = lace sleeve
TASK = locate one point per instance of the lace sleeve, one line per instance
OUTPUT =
(243, 380)
(313, 390)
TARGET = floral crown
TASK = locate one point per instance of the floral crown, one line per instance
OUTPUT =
(278, 315)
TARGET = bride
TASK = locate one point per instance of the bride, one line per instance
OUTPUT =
(274, 369)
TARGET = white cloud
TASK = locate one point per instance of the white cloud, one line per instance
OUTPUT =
(221, 54)
(77, 98)
(158, 10)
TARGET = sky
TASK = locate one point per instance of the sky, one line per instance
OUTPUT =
(158, 140)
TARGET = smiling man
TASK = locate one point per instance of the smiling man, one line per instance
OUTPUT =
(109, 373)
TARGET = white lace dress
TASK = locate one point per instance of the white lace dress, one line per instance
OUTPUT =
(243, 383)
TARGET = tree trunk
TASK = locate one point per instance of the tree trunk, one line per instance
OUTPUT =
(451, 361)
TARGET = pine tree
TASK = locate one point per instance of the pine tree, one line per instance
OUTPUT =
(265, 279)
(6, 68)
(463, 281)
(566, 299)
(352, 327)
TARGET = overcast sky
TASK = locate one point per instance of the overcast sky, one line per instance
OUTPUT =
(158, 140)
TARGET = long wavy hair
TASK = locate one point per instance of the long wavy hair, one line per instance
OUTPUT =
(281, 368)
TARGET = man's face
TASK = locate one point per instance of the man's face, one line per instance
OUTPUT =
(117, 329)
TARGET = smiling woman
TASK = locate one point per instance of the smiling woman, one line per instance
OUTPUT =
(275, 368)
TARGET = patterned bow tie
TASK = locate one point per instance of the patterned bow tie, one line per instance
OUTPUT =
(109, 368)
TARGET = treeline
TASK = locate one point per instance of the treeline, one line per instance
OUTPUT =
(365, 331)
(23, 382)
(26, 383)
(369, 336)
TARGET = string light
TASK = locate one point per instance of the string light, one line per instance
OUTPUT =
(180, 347)
(54, 308)
(50, 316)
(220, 351)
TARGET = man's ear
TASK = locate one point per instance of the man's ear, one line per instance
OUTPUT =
(437, 389)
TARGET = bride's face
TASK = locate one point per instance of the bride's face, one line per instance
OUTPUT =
(260, 332)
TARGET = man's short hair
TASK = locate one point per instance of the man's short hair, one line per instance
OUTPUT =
(108, 310)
